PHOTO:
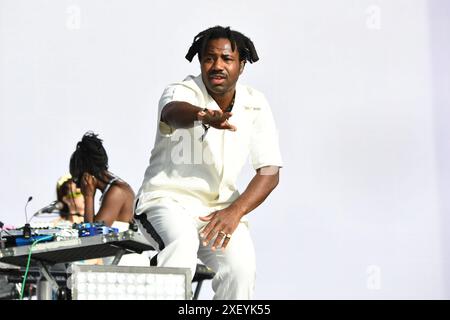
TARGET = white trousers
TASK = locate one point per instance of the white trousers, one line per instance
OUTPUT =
(173, 229)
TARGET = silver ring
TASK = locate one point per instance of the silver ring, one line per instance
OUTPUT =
(222, 233)
(228, 235)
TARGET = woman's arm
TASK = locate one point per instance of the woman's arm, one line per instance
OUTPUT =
(88, 188)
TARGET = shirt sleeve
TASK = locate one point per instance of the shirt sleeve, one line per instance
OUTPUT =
(174, 92)
(264, 146)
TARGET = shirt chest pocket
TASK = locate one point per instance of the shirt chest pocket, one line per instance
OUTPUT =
(238, 142)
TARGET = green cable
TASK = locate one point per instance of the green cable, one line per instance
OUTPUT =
(28, 264)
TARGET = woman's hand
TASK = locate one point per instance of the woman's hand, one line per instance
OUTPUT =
(88, 185)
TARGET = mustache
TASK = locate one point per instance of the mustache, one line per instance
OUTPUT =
(215, 74)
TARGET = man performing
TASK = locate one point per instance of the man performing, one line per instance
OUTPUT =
(188, 206)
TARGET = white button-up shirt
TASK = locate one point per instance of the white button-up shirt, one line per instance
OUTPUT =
(186, 167)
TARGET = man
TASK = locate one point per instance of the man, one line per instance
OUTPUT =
(188, 205)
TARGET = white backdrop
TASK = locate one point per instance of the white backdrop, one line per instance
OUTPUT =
(358, 90)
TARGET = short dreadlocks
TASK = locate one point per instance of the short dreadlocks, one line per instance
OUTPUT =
(245, 46)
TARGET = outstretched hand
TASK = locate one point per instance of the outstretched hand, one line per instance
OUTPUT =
(216, 119)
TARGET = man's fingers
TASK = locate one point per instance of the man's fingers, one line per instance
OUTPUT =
(225, 116)
(206, 218)
(213, 117)
(218, 241)
(227, 125)
(218, 117)
(222, 240)
(225, 243)
(210, 235)
(205, 231)
(208, 232)
(201, 115)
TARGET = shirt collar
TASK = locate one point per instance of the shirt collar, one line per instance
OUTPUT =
(209, 101)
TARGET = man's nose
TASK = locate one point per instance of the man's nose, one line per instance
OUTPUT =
(218, 64)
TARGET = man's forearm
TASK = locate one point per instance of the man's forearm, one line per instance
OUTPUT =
(179, 114)
(257, 191)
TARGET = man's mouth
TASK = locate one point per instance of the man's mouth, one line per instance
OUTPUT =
(217, 79)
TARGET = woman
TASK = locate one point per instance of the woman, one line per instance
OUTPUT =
(73, 210)
(71, 197)
(89, 169)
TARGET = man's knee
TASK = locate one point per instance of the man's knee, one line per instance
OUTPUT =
(181, 252)
(235, 281)
(242, 273)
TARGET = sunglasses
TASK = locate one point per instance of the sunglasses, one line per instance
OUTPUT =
(73, 195)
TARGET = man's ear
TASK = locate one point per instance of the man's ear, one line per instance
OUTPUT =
(241, 68)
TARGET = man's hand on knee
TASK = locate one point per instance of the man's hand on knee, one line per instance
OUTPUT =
(220, 228)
